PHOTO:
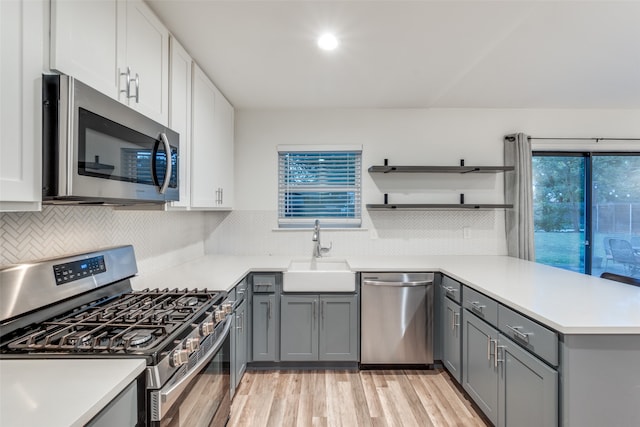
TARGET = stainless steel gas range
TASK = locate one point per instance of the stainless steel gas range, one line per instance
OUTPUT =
(83, 306)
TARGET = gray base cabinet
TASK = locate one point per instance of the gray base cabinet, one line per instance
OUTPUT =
(240, 342)
(451, 330)
(528, 389)
(264, 323)
(511, 386)
(299, 328)
(480, 370)
(338, 333)
(319, 328)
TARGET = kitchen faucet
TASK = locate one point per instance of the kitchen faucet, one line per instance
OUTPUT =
(318, 250)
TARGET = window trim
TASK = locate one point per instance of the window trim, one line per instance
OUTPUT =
(326, 222)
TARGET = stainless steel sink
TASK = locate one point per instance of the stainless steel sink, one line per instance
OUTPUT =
(319, 275)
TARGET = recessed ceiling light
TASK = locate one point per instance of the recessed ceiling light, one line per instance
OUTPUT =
(327, 41)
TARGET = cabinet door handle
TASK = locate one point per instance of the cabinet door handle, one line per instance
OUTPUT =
(489, 347)
(450, 289)
(127, 89)
(314, 312)
(137, 88)
(524, 336)
(221, 195)
(269, 309)
(453, 321)
(498, 348)
(456, 316)
(495, 353)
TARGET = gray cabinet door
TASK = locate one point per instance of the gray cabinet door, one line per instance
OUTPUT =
(264, 327)
(338, 339)
(299, 327)
(241, 342)
(479, 370)
(451, 330)
(528, 389)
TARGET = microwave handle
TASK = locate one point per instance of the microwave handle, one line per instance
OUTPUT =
(167, 175)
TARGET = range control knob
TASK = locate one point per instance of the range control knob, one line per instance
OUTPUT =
(206, 329)
(192, 344)
(179, 358)
(219, 315)
(227, 307)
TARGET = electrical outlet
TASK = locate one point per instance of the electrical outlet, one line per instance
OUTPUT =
(466, 232)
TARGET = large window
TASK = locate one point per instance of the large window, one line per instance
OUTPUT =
(322, 184)
(585, 203)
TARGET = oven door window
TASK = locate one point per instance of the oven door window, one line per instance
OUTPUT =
(109, 150)
(207, 400)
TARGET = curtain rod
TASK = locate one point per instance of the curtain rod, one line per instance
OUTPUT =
(512, 138)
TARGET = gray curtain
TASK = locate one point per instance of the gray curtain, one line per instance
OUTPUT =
(518, 190)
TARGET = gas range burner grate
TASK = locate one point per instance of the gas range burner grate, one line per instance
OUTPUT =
(136, 322)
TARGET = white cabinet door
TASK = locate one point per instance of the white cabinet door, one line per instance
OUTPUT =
(105, 43)
(223, 169)
(180, 116)
(146, 56)
(22, 37)
(84, 42)
(203, 147)
(212, 146)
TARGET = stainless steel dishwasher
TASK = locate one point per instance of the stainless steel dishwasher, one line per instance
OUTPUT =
(397, 318)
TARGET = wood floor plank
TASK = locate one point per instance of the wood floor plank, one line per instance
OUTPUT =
(371, 394)
(368, 398)
(361, 408)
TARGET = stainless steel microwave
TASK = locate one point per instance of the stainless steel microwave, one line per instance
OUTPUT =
(99, 151)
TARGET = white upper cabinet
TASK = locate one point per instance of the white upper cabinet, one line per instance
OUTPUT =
(212, 146)
(22, 37)
(145, 62)
(115, 46)
(180, 116)
(84, 38)
(223, 163)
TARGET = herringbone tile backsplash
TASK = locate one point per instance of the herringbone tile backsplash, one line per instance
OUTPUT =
(61, 230)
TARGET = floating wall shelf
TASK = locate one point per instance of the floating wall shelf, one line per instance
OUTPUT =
(462, 169)
(439, 169)
(421, 207)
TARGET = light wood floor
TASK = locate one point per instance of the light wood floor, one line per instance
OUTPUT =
(344, 398)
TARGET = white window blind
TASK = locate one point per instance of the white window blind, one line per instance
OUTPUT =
(324, 185)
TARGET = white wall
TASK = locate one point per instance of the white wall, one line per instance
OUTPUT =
(411, 137)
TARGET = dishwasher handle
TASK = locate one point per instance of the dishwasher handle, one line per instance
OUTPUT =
(397, 284)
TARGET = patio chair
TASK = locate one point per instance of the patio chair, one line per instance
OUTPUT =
(620, 278)
(622, 253)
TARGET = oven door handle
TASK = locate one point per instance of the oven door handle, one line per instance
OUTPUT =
(171, 392)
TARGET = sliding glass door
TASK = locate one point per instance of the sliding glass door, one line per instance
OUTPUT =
(585, 203)
(559, 210)
(616, 214)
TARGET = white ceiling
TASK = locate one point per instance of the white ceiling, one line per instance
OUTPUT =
(415, 54)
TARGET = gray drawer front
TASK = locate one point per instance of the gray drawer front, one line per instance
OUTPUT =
(481, 305)
(264, 283)
(452, 289)
(529, 334)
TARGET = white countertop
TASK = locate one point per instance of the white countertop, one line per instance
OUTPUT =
(570, 303)
(61, 392)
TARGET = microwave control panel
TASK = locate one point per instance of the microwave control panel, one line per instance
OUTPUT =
(76, 270)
